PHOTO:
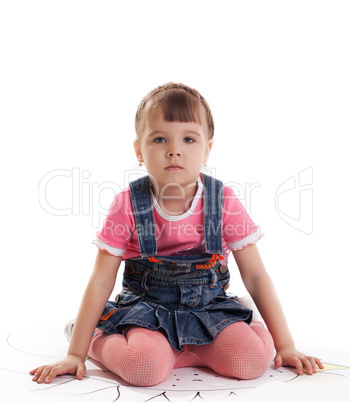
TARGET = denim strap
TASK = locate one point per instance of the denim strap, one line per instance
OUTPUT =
(213, 202)
(141, 197)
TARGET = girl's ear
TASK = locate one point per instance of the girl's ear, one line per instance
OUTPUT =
(137, 148)
(210, 145)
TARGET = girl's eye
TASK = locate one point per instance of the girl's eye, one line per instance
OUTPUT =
(189, 140)
(159, 140)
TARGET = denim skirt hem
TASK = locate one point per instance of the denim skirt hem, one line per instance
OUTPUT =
(181, 327)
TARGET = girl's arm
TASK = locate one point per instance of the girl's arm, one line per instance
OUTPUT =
(96, 295)
(260, 287)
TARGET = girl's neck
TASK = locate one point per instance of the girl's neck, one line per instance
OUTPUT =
(175, 199)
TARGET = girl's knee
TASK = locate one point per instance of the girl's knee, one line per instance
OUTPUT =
(246, 364)
(149, 359)
(246, 351)
(255, 363)
(146, 367)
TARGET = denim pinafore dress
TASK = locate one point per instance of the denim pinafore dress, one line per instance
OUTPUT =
(182, 296)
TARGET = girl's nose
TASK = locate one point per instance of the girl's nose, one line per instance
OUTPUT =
(173, 152)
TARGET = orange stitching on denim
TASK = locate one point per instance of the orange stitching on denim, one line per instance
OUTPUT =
(152, 259)
(214, 257)
(212, 261)
(106, 317)
(205, 266)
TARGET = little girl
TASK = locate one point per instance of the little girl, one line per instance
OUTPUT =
(175, 228)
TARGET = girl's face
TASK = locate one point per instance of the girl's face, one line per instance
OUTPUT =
(173, 152)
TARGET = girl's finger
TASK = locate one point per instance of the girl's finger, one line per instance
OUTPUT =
(278, 360)
(318, 362)
(299, 367)
(307, 364)
(44, 374)
(313, 364)
(81, 371)
(37, 373)
(51, 375)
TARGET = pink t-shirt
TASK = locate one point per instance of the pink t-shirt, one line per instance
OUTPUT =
(179, 234)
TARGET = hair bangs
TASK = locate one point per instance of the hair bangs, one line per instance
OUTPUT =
(178, 102)
(179, 105)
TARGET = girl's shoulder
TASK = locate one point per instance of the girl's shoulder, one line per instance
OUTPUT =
(233, 204)
(229, 194)
(121, 202)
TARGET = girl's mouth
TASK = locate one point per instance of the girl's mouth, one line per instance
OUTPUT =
(173, 167)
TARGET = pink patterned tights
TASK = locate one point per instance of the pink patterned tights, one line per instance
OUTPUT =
(144, 358)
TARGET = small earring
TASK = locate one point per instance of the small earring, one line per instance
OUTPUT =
(140, 160)
(205, 164)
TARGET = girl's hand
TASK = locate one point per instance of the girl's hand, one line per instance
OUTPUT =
(289, 356)
(70, 365)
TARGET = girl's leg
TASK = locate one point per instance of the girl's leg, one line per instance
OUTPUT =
(239, 351)
(142, 357)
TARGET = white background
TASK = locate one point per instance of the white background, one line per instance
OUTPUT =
(276, 75)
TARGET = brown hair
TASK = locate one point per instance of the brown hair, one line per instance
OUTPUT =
(178, 102)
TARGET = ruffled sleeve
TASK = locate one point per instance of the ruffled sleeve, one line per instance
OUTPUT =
(118, 226)
(239, 230)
